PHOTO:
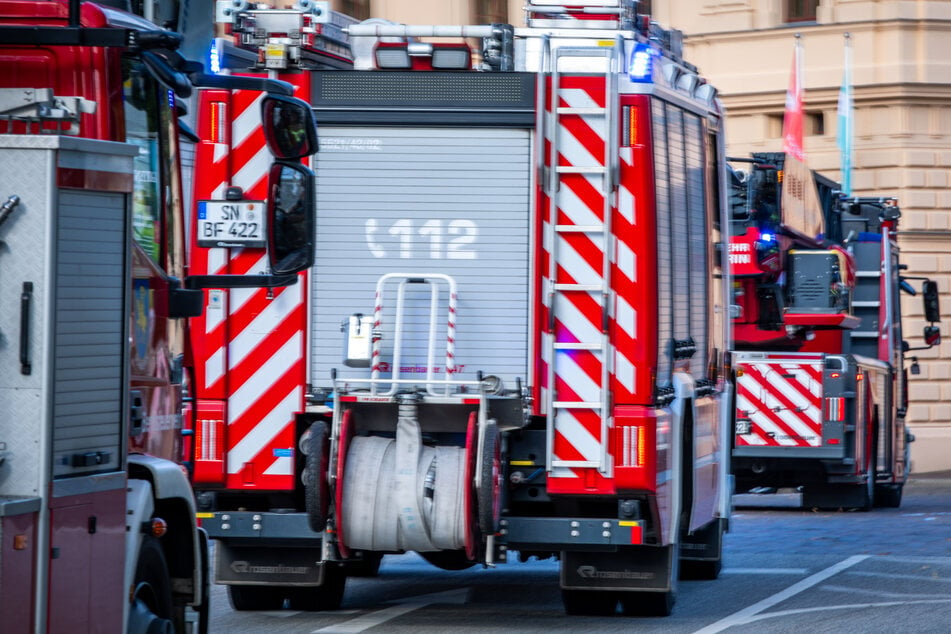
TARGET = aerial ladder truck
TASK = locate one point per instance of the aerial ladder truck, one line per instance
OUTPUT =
(819, 357)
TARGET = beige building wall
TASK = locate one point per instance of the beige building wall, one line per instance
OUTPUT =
(902, 92)
(901, 75)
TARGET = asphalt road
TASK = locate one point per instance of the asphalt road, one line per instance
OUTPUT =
(786, 569)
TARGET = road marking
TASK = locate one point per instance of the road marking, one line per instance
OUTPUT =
(851, 607)
(764, 571)
(885, 575)
(883, 594)
(746, 614)
(404, 606)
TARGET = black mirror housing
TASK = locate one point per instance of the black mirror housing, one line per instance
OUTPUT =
(929, 292)
(290, 128)
(291, 212)
(184, 302)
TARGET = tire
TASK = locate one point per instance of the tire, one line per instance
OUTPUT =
(654, 603)
(449, 559)
(589, 602)
(327, 596)
(204, 610)
(248, 598)
(316, 493)
(834, 497)
(490, 484)
(888, 495)
(152, 609)
(648, 603)
(367, 566)
(700, 570)
(705, 569)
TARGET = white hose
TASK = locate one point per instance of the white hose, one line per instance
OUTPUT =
(400, 495)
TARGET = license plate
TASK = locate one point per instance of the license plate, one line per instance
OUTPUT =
(225, 223)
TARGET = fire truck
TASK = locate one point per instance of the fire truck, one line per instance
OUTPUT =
(97, 516)
(820, 360)
(513, 340)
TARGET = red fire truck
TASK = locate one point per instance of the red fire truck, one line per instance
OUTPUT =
(819, 361)
(514, 335)
(97, 516)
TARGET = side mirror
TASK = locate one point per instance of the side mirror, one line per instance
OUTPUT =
(929, 291)
(289, 127)
(291, 211)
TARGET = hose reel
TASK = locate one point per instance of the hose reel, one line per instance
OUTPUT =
(399, 494)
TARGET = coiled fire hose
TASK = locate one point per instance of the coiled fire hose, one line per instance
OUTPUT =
(403, 495)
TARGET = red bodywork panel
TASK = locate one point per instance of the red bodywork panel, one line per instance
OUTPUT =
(248, 349)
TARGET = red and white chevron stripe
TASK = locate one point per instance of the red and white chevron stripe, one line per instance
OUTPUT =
(782, 400)
(580, 202)
(249, 346)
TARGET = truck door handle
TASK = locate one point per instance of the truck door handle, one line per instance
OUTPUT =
(26, 297)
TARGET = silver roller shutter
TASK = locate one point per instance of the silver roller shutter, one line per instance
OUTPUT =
(424, 200)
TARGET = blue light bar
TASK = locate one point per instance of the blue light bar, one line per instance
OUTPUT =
(640, 66)
(767, 237)
(214, 61)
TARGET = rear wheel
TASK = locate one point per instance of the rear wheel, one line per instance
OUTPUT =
(708, 544)
(888, 495)
(367, 566)
(589, 602)
(326, 596)
(246, 598)
(648, 603)
(449, 559)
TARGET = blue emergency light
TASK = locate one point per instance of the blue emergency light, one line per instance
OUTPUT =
(640, 66)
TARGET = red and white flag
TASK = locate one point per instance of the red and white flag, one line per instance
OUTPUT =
(793, 118)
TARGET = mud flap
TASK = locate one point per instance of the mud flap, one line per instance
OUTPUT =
(630, 568)
(701, 553)
(267, 566)
(704, 544)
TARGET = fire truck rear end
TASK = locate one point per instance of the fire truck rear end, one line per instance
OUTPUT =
(821, 385)
(514, 334)
(97, 516)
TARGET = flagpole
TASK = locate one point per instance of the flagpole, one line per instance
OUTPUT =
(846, 120)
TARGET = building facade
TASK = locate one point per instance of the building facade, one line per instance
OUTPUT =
(901, 77)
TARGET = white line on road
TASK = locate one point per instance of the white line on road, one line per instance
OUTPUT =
(851, 607)
(893, 577)
(746, 614)
(365, 622)
(764, 571)
(882, 594)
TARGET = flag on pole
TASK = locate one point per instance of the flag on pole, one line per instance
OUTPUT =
(793, 117)
(844, 132)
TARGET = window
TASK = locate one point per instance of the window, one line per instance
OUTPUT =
(801, 10)
(491, 11)
(142, 130)
(814, 124)
(359, 9)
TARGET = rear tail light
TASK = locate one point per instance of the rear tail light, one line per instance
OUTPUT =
(209, 465)
(218, 122)
(633, 450)
(835, 409)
